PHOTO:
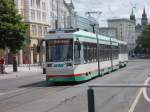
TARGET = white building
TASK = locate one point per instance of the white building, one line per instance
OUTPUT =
(125, 31)
(41, 15)
(107, 31)
(62, 14)
(35, 13)
(86, 23)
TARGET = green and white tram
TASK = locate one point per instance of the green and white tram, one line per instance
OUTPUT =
(71, 56)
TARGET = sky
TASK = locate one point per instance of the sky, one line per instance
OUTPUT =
(112, 8)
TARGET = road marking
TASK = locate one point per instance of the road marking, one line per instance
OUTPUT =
(142, 91)
(13, 91)
(135, 101)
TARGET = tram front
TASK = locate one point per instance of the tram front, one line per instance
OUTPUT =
(59, 60)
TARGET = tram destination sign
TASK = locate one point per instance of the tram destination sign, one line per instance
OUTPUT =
(59, 41)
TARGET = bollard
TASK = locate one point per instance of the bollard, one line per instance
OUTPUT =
(1, 68)
(15, 65)
(44, 70)
(91, 103)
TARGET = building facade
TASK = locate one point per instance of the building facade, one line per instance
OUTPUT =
(41, 16)
(109, 32)
(141, 26)
(144, 20)
(36, 14)
(125, 31)
(86, 23)
(62, 14)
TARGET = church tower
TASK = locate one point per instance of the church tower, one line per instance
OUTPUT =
(144, 20)
(132, 16)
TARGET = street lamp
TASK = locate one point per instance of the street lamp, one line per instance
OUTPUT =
(96, 33)
(111, 52)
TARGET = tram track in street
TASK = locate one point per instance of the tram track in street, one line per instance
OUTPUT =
(32, 93)
(29, 92)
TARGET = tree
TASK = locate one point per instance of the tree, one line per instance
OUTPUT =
(143, 41)
(12, 29)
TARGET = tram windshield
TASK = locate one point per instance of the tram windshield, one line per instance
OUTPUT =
(59, 50)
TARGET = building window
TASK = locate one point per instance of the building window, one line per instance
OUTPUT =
(39, 30)
(45, 30)
(38, 15)
(33, 30)
(52, 16)
(33, 14)
(32, 3)
(43, 6)
(38, 3)
(44, 16)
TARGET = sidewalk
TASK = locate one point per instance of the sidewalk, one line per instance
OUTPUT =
(22, 71)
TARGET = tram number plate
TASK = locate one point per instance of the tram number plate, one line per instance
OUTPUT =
(59, 65)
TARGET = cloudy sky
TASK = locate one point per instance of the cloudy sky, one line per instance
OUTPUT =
(112, 8)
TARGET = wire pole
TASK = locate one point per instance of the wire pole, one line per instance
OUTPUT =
(57, 24)
(111, 53)
(93, 26)
(29, 58)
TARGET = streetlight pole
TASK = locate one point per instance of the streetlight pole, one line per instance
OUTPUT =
(98, 54)
(111, 53)
(96, 33)
(29, 49)
(57, 24)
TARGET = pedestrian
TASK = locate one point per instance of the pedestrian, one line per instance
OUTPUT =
(2, 65)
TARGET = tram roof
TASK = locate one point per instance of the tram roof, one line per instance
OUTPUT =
(80, 33)
(101, 37)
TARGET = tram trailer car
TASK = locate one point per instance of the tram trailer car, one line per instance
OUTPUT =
(72, 56)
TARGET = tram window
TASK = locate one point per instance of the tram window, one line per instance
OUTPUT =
(105, 52)
(76, 54)
(102, 53)
(90, 52)
(122, 49)
(95, 52)
(85, 52)
(108, 52)
(104, 49)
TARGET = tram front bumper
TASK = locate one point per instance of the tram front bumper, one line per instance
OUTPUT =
(60, 79)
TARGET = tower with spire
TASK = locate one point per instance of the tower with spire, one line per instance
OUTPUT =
(132, 16)
(144, 20)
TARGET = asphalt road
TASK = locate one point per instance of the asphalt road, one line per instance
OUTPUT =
(31, 93)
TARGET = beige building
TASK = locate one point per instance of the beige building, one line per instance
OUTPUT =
(125, 31)
(109, 32)
(36, 13)
(62, 14)
(41, 16)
